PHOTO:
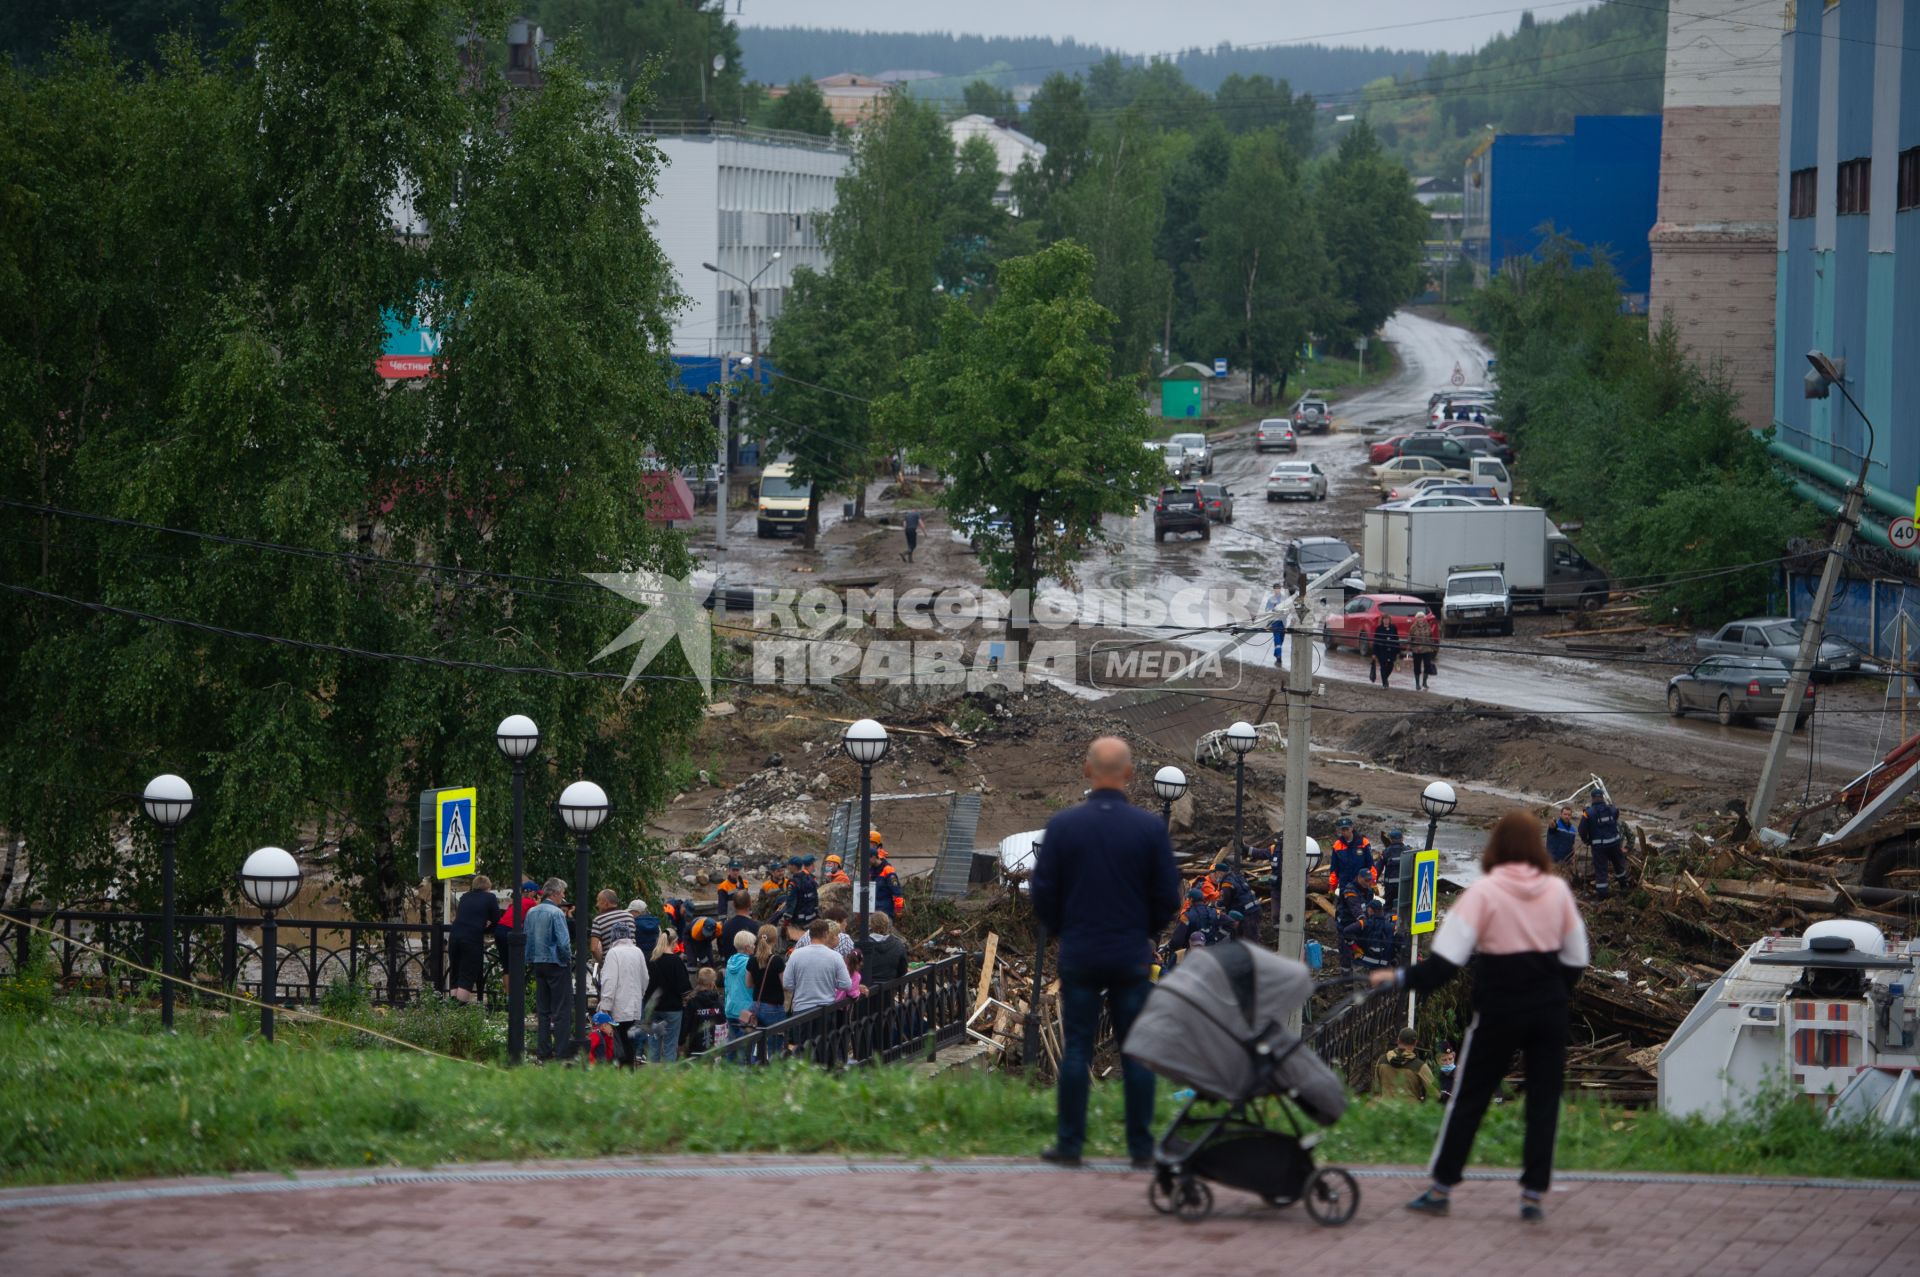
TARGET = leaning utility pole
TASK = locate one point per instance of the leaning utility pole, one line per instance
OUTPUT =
(1826, 372)
(1292, 902)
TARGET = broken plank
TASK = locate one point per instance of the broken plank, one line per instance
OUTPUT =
(1611, 629)
(1775, 893)
(985, 988)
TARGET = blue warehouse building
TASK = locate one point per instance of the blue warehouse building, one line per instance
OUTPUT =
(1599, 184)
(1848, 268)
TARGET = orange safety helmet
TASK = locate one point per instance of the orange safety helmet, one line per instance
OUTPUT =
(833, 860)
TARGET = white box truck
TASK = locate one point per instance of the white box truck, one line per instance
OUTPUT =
(1414, 551)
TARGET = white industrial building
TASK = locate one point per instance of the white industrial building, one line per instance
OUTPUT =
(1010, 148)
(734, 198)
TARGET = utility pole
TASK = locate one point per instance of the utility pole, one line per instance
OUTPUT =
(1826, 373)
(726, 448)
(1292, 902)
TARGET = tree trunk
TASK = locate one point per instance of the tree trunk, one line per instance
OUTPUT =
(810, 531)
(860, 494)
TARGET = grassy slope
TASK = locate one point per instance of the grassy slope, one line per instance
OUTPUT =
(96, 1101)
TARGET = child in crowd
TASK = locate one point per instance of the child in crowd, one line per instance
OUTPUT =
(706, 1015)
(853, 969)
(600, 1044)
(739, 999)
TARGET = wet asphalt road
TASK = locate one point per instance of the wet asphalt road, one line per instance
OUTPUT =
(1518, 672)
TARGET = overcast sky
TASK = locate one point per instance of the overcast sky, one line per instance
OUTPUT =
(1143, 26)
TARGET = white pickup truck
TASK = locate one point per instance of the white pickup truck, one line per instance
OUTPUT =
(1477, 598)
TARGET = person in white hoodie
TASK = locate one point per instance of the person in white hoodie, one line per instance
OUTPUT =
(623, 994)
(1520, 930)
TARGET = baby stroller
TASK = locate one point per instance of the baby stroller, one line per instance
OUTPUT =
(1217, 1024)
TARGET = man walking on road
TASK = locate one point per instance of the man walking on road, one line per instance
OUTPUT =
(549, 957)
(911, 526)
(1276, 607)
(1105, 884)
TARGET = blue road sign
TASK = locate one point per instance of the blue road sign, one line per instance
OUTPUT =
(454, 854)
(1426, 891)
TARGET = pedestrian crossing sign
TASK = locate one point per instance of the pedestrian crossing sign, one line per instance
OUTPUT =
(1426, 890)
(453, 833)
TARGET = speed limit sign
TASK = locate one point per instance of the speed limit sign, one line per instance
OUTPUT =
(1902, 534)
(1459, 377)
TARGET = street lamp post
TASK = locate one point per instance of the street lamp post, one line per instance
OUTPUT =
(722, 497)
(517, 736)
(583, 807)
(1170, 783)
(168, 801)
(270, 880)
(1240, 738)
(1437, 799)
(751, 360)
(866, 743)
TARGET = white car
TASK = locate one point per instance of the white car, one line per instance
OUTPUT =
(1477, 599)
(1296, 479)
(1199, 451)
(1399, 470)
(1275, 432)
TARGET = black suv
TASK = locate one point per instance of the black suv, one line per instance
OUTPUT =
(1181, 510)
(1442, 447)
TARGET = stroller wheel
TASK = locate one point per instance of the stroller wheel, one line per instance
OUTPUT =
(1192, 1201)
(1160, 1193)
(1332, 1196)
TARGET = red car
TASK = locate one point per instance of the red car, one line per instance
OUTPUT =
(1474, 428)
(1385, 450)
(1355, 625)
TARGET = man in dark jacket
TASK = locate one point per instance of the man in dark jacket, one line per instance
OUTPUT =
(1386, 647)
(1600, 830)
(1104, 882)
(1390, 854)
(803, 896)
(883, 955)
(1560, 836)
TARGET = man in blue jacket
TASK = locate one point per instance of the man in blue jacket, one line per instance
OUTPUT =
(1105, 884)
(550, 959)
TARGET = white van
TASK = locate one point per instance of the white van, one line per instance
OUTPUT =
(1491, 472)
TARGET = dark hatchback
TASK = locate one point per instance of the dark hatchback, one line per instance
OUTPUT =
(1735, 689)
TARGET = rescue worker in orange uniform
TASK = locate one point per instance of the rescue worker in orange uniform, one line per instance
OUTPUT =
(735, 880)
(886, 882)
(834, 872)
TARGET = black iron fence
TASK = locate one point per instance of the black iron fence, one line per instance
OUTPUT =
(390, 963)
(1358, 1033)
(921, 1012)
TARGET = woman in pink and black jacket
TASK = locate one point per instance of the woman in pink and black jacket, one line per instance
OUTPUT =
(1520, 931)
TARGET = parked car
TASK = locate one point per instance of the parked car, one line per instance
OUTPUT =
(1494, 433)
(1275, 432)
(1296, 479)
(1736, 689)
(1458, 392)
(1217, 500)
(1179, 510)
(1304, 558)
(1386, 449)
(1436, 502)
(1432, 443)
(1355, 625)
(1480, 492)
(1199, 451)
(1400, 469)
(1313, 414)
(1779, 637)
(1460, 407)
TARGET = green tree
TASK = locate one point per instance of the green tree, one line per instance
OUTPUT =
(1248, 103)
(801, 109)
(839, 348)
(191, 306)
(669, 46)
(1262, 276)
(982, 97)
(1376, 245)
(1017, 407)
(890, 213)
(1116, 209)
(1058, 119)
(1192, 177)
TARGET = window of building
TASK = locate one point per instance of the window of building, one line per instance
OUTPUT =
(1856, 182)
(1909, 183)
(1802, 192)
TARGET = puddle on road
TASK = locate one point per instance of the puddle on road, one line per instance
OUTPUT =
(1244, 556)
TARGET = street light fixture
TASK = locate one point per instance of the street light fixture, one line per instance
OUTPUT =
(1438, 800)
(1171, 784)
(270, 880)
(168, 801)
(1241, 737)
(866, 743)
(583, 808)
(518, 737)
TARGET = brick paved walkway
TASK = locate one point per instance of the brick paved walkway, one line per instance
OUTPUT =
(651, 1217)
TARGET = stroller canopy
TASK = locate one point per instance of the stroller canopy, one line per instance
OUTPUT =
(1205, 1023)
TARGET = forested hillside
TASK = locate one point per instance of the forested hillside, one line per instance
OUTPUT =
(775, 55)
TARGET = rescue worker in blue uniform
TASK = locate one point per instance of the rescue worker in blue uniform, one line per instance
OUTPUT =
(803, 896)
(1236, 896)
(1200, 926)
(1351, 862)
(1560, 836)
(1374, 937)
(1600, 830)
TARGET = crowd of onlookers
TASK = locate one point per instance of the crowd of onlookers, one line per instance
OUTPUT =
(672, 986)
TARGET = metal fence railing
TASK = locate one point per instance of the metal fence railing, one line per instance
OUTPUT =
(394, 962)
(922, 1011)
(1357, 1034)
